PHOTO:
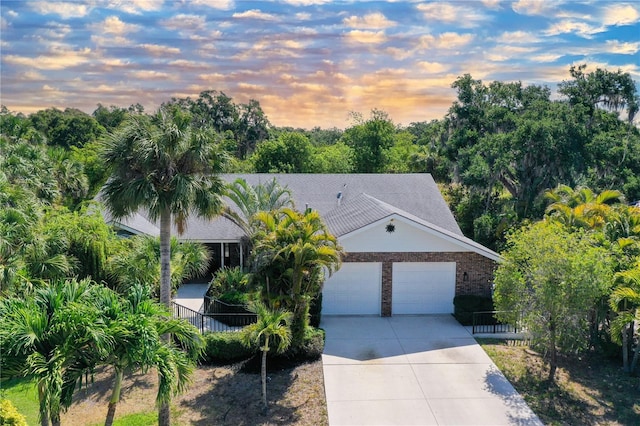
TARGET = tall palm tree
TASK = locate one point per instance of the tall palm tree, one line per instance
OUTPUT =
(165, 165)
(292, 250)
(54, 337)
(168, 167)
(271, 324)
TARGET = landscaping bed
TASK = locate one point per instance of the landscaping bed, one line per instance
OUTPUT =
(219, 395)
(591, 390)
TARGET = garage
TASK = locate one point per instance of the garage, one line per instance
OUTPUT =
(423, 287)
(353, 290)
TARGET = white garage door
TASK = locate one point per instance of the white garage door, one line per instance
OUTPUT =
(353, 290)
(423, 288)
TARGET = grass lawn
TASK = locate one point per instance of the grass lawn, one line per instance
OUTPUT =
(590, 390)
(24, 396)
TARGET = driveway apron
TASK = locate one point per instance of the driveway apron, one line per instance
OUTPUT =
(414, 370)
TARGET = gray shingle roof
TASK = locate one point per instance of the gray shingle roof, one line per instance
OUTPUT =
(364, 198)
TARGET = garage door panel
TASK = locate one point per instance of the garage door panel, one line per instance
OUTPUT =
(423, 287)
(353, 290)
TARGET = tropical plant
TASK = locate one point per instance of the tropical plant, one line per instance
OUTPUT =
(271, 330)
(292, 251)
(581, 207)
(137, 323)
(54, 336)
(164, 164)
(625, 302)
(552, 278)
(250, 199)
(137, 261)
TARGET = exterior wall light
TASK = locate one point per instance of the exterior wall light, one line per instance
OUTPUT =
(390, 226)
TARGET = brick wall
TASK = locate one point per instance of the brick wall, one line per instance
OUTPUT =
(474, 273)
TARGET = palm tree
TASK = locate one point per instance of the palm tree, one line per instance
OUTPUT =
(54, 336)
(291, 252)
(138, 262)
(250, 199)
(271, 324)
(136, 324)
(625, 301)
(164, 164)
(581, 207)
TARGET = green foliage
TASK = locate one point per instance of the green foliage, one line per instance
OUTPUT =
(225, 348)
(291, 252)
(290, 153)
(23, 394)
(315, 310)
(9, 415)
(554, 278)
(371, 140)
(336, 158)
(465, 305)
(67, 128)
(230, 285)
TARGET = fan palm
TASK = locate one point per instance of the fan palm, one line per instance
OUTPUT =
(165, 165)
(625, 301)
(272, 328)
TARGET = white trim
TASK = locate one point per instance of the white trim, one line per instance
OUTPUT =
(460, 241)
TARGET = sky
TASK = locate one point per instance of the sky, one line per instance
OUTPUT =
(307, 62)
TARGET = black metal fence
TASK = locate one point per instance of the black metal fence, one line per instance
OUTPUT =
(486, 322)
(211, 322)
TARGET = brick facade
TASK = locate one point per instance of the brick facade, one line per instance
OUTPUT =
(474, 273)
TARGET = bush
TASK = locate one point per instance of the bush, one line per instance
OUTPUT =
(9, 414)
(315, 311)
(466, 305)
(228, 282)
(225, 348)
(311, 348)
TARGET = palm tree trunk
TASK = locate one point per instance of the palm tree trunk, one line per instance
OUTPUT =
(636, 352)
(264, 373)
(164, 414)
(165, 258)
(553, 354)
(625, 349)
(44, 413)
(115, 397)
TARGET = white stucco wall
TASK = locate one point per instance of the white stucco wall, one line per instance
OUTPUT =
(407, 237)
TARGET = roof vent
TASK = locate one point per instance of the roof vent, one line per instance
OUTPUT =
(339, 196)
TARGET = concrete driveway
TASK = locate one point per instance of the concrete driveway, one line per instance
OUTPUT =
(414, 370)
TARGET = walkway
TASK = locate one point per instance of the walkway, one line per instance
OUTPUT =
(191, 296)
(414, 370)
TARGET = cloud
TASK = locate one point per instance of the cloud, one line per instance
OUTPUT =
(65, 9)
(533, 7)
(448, 40)
(255, 14)
(621, 14)
(307, 2)
(371, 21)
(159, 49)
(151, 75)
(366, 37)
(581, 29)
(58, 58)
(492, 4)
(135, 7)
(454, 13)
(519, 37)
(214, 4)
(545, 57)
(54, 31)
(622, 48)
(183, 22)
(432, 67)
(113, 25)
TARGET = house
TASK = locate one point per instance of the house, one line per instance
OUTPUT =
(404, 251)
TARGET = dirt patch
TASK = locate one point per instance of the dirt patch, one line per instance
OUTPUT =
(219, 395)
